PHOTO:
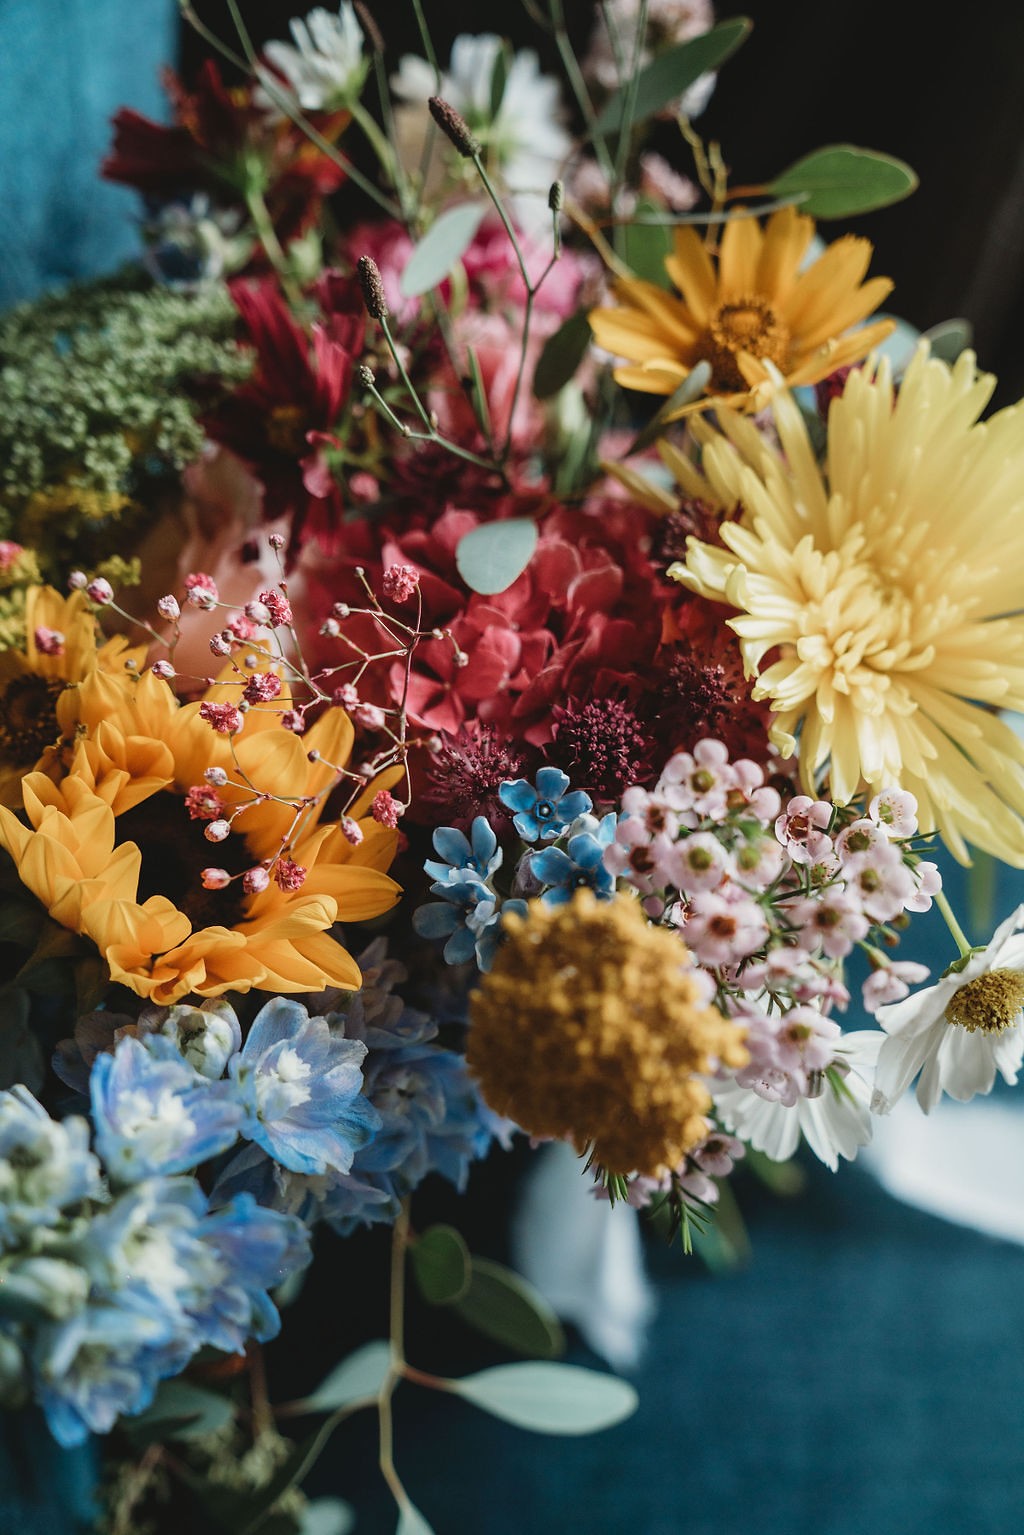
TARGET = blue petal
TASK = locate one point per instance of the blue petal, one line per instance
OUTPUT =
(574, 804)
(460, 947)
(527, 825)
(518, 794)
(551, 783)
(484, 840)
(585, 851)
(552, 866)
(452, 845)
(435, 920)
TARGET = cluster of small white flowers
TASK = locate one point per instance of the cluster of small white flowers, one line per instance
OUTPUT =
(770, 898)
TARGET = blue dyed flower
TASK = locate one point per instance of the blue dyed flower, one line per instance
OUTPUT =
(299, 1086)
(469, 916)
(479, 858)
(46, 1167)
(581, 866)
(154, 1114)
(543, 811)
(94, 1367)
(254, 1250)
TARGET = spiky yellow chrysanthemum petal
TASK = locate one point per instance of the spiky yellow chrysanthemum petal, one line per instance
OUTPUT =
(590, 1028)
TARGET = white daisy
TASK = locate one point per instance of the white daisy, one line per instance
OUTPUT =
(834, 1124)
(525, 142)
(959, 1032)
(326, 68)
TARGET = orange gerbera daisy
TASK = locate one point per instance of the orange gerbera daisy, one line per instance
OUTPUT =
(40, 702)
(751, 306)
(113, 854)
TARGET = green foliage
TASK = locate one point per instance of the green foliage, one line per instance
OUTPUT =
(101, 387)
(550, 1398)
(441, 1264)
(673, 71)
(842, 180)
(561, 355)
(444, 243)
(645, 246)
(947, 340)
(327, 1516)
(180, 1410)
(500, 1304)
(495, 554)
(357, 1378)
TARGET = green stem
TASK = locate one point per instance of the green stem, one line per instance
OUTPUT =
(386, 1439)
(264, 225)
(957, 931)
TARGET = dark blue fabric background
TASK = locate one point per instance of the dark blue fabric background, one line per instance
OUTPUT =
(864, 1374)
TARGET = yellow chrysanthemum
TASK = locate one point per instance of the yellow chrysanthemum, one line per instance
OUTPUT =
(590, 1027)
(753, 305)
(112, 854)
(40, 702)
(878, 598)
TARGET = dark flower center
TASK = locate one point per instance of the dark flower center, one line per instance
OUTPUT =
(28, 718)
(174, 854)
(749, 325)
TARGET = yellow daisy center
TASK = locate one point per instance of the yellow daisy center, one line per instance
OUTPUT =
(748, 324)
(990, 1003)
(28, 717)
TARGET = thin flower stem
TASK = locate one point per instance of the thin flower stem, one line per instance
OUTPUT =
(264, 225)
(629, 104)
(578, 86)
(959, 937)
(386, 1439)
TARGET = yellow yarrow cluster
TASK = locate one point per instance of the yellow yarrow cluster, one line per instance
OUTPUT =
(590, 1028)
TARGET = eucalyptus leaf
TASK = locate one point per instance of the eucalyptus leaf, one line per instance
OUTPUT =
(494, 555)
(359, 1376)
(412, 1522)
(327, 1516)
(440, 1263)
(692, 387)
(550, 1398)
(500, 1304)
(842, 180)
(444, 243)
(949, 338)
(644, 248)
(672, 72)
(180, 1410)
(561, 355)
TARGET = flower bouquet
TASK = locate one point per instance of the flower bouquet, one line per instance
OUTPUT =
(491, 626)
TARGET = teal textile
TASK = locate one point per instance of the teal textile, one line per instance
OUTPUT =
(68, 66)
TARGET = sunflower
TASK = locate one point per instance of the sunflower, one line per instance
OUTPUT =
(112, 854)
(40, 701)
(756, 306)
(878, 597)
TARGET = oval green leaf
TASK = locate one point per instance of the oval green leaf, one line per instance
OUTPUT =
(550, 1398)
(674, 71)
(356, 1378)
(561, 355)
(491, 557)
(949, 338)
(504, 1307)
(440, 1261)
(441, 247)
(180, 1410)
(842, 180)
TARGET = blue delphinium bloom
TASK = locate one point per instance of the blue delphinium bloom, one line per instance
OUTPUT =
(46, 1167)
(545, 808)
(299, 1085)
(581, 866)
(154, 1114)
(95, 1366)
(480, 857)
(254, 1250)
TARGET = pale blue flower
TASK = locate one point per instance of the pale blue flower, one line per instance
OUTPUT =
(544, 809)
(299, 1085)
(581, 866)
(154, 1114)
(468, 916)
(94, 1367)
(479, 858)
(46, 1167)
(206, 1036)
(255, 1250)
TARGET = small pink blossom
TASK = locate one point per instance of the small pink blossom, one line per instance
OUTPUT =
(201, 591)
(891, 983)
(224, 718)
(802, 829)
(164, 670)
(896, 810)
(49, 642)
(258, 613)
(385, 809)
(860, 837)
(929, 883)
(351, 830)
(215, 879)
(750, 789)
(78, 580)
(100, 591)
(346, 697)
(881, 882)
(240, 628)
(168, 607)
(293, 720)
(289, 875)
(278, 607)
(203, 803)
(699, 782)
(220, 644)
(262, 687)
(400, 582)
(700, 862)
(217, 831)
(215, 776)
(10, 553)
(721, 931)
(834, 916)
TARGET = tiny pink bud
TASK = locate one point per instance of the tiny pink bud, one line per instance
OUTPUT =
(169, 607)
(78, 580)
(254, 880)
(164, 670)
(49, 642)
(341, 610)
(400, 582)
(216, 831)
(313, 756)
(215, 879)
(351, 830)
(216, 776)
(100, 591)
(330, 628)
(258, 612)
(293, 720)
(276, 541)
(220, 646)
(346, 697)
(289, 875)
